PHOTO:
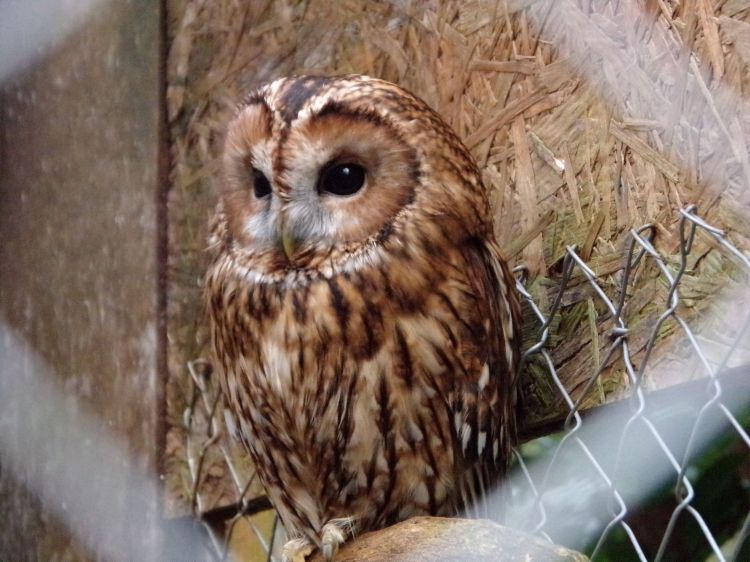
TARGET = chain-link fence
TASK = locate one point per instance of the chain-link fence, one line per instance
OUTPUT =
(617, 481)
(209, 435)
(609, 467)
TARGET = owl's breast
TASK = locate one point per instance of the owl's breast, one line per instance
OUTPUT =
(337, 386)
(291, 350)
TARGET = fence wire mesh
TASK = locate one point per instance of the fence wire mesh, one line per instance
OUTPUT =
(594, 476)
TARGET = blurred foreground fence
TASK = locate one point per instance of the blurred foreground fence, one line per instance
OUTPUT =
(659, 474)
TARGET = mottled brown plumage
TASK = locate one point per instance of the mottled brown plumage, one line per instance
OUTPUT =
(366, 333)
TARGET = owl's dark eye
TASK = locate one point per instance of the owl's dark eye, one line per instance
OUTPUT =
(261, 185)
(342, 179)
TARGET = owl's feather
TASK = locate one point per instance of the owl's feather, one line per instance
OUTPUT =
(370, 360)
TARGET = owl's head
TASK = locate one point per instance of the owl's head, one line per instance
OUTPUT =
(320, 171)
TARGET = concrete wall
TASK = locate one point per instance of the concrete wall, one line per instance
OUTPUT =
(80, 251)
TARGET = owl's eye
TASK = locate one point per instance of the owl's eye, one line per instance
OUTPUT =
(342, 179)
(261, 185)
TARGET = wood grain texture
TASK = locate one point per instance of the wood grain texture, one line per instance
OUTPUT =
(435, 539)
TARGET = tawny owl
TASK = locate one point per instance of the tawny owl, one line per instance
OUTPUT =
(365, 326)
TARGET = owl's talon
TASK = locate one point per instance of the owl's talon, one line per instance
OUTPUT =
(331, 540)
(296, 550)
(334, 534)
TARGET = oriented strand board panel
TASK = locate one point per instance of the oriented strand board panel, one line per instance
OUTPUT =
(79, 150)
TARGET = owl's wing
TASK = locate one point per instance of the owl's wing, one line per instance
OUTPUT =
(484, 395)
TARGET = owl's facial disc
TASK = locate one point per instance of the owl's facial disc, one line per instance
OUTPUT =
(329, 181)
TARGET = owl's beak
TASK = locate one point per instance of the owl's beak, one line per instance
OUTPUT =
(288, 244)
(287, 240)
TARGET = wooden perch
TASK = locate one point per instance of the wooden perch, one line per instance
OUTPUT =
(438, 539)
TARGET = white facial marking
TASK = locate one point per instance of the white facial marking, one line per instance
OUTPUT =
(262, 226)
(262, 157)
(307, 216)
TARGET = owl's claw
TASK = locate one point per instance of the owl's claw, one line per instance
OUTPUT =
(334, 534)
(296, 550)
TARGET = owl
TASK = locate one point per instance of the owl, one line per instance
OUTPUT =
(365, 327)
